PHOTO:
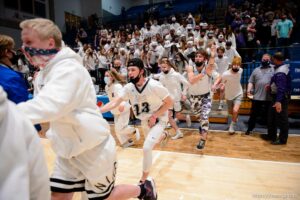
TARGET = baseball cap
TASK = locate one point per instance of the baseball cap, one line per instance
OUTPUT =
(136, 62)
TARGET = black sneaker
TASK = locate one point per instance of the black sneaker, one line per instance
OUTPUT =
(247, 132)
(150, 188)
(278, 142)
(201, 144)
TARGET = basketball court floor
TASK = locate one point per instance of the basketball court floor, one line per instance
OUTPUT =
(231, 167)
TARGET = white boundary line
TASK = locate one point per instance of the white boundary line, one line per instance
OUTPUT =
(221, 157)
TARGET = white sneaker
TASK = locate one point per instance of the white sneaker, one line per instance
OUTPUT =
(137, 134)
(232, 127)
(127, 144)
(178, 135)
(188, 120)
(220, 106)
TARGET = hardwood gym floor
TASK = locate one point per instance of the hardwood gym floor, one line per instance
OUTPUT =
(234, 146)
(230, 167)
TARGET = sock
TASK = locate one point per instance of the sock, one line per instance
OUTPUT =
(143, 191)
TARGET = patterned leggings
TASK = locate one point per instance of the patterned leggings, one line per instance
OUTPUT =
(201, 104)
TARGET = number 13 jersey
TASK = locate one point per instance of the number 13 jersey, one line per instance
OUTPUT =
(147, 99)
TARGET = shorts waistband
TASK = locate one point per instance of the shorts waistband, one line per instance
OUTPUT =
(201, 95)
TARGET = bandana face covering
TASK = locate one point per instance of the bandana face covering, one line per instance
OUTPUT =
(39, 57)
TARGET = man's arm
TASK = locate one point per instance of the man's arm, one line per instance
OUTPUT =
(167, 104)
(111, 105)
(249, 88)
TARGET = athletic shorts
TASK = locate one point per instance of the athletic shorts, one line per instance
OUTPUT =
(93, 171)
(235, 101)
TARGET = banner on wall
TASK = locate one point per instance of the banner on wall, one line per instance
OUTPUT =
(295, 80)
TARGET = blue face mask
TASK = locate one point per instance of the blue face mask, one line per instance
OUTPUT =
(107, 80)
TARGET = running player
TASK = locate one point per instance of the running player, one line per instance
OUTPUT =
(122, 113)
(80, 137)
(150, 102)
(172, 80)
(200, 78)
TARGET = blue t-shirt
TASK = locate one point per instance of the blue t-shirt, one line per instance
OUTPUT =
(13, 84)
(283, 27)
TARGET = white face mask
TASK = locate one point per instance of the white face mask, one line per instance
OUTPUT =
(107, 80)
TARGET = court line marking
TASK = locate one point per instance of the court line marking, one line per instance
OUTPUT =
(221, 157)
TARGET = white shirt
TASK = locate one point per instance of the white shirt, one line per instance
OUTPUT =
(66, 98)
(230, 53)
(172, 81)
(113, 90)
(147, 99)
(222, 64)
(203, 85)
(233, 87)
(24, 173)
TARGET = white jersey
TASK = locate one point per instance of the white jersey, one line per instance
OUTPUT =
(172, 81)
(203, 85)
(24, 174)
(233, 87)
(114, 91)
(67, 99)
(230, 53)
(147, 99)
(222, 64)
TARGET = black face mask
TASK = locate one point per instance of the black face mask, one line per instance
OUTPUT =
(220, 56)
(199, 64)
(134, 80)
(235, 69)
(14, 59)
(166, 72)
(265, 63)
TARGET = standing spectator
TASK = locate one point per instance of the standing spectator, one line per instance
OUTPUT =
(80, 137)
(12, 82)
(256, 90)
(230, 52)
(280, 92)
(153, 56)
(284, 30)
(90, 61)
(24, 173)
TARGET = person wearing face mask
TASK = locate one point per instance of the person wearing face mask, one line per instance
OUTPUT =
(233, 90)
(222, 63)
(173, 81)
(80, 136)
(256, 91)
(150, 101)
(12, 81)
(121, 114)
(119, 68)
(199, 77)
(153, 56)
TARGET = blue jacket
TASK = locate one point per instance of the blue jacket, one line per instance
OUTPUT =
(13, 84)
(280, 83)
